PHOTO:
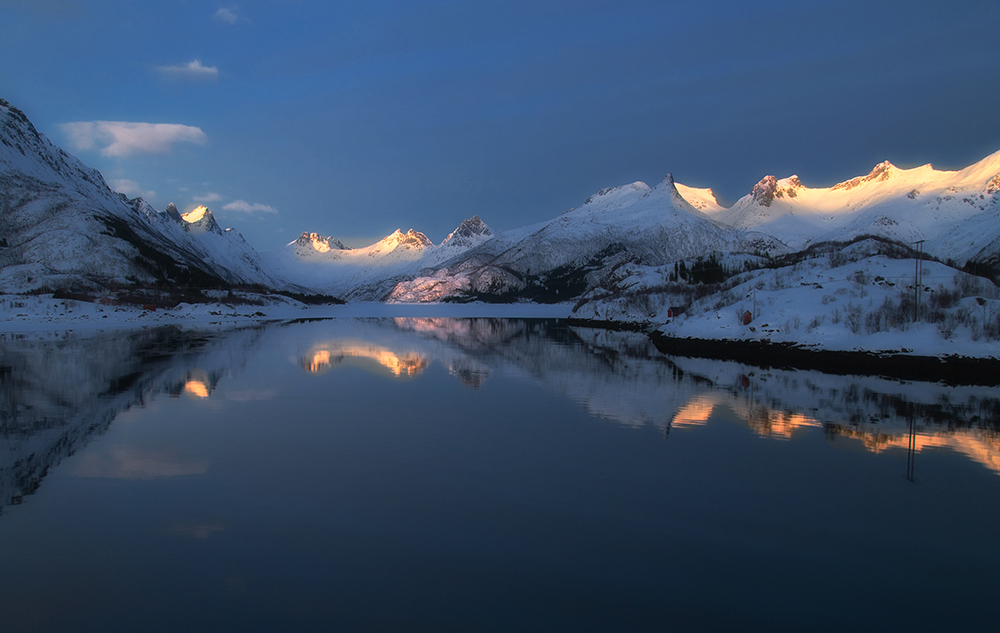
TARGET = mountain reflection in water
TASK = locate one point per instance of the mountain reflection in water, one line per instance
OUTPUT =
(59, 389)
(479, 474)
(324, 356)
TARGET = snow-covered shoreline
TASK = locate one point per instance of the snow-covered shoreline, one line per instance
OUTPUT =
(36, 313)
(866, 305)
(917, 354)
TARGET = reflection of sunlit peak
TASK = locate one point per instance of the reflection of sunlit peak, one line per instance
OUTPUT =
(324, 355)
(979, 445)
(410, 364)
(196, 388)
(197, 384)
(695, 413)
(781, 424)
(320, 361)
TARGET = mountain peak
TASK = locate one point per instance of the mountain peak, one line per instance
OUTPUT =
(769, 188)
(881, 172)
(469, 233)
(679, 201)
(318, 243)
(200, 220)
(25, 151)
(624, 191)
(410, 239)
(172, 213)
(763, 192)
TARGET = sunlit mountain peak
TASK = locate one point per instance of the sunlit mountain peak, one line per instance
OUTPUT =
(195, 214)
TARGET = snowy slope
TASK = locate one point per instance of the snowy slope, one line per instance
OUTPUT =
(854, 299)
(701, 199)
(64, 228)
(956, 212)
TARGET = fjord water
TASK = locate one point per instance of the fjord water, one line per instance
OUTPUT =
(480, 474)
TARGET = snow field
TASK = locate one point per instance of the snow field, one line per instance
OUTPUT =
(864, 305)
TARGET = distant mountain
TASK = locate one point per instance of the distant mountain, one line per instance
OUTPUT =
(471, 232)
(64, 228)
(370, 272)
(550, 261)
(956, 212)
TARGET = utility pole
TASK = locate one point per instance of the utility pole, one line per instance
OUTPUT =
(918, 278)
(911, 448)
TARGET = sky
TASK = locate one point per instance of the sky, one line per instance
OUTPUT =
(353, 119)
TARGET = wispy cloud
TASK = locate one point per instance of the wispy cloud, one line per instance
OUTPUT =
(229, 15)
(245, 207)
(131, 189)
(193, 70)
(211, 196)
(123, 138)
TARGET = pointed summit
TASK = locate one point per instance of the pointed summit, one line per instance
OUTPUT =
(668, 188)
(201, 220)
(172, 213)
(410, 239)
(318, 243)
(469, 233)
(882, 172)
(763, 191)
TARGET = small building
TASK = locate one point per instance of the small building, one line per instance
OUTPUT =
(674, 312)
(746, 317)
(108, 301)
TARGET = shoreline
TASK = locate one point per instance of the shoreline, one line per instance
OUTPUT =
(951, 370)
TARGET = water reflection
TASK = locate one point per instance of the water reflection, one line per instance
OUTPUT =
(324, 356)
(879, 414)
(58, 391)
(198, 384)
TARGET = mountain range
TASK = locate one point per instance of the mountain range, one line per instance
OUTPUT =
(64, 229)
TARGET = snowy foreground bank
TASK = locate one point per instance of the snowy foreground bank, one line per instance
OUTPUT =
(818, 304)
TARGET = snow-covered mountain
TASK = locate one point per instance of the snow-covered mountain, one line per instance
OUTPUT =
(634, 222)
(370, 272)
(956, 212)
(63, 227)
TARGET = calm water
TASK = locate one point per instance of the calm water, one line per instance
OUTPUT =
(486, 475)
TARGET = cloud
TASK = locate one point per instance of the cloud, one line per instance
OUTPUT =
(245, 207)
(131, 189)
(193, 70)
(123, 138)
(230, 14)
(211, 196)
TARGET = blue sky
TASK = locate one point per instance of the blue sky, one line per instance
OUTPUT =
(354, 119)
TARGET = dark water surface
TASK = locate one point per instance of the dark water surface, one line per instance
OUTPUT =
(483, 475)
